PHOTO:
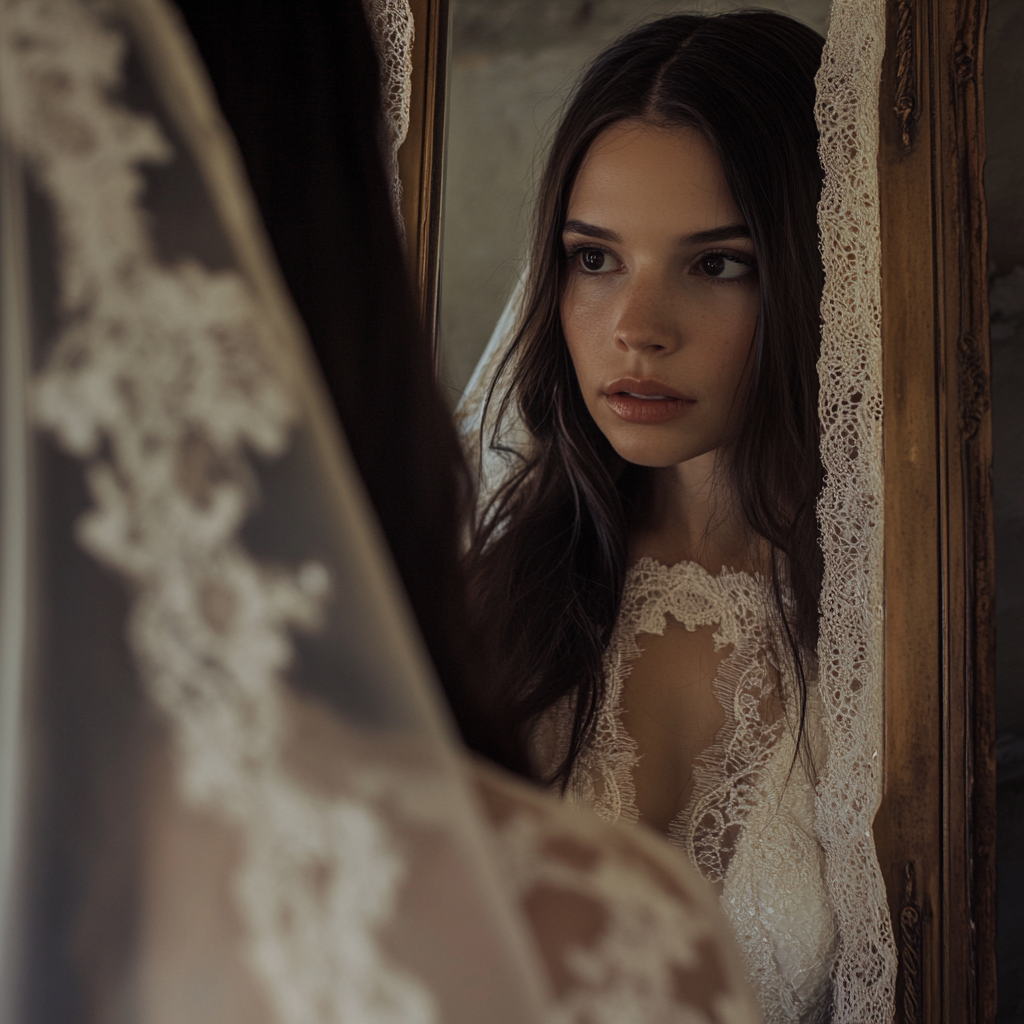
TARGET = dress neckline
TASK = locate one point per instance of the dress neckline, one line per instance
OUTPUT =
(689, 565)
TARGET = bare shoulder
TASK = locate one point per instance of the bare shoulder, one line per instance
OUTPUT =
(626, 929)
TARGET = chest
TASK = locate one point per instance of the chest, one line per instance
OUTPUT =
(689, 667)
(670, 710)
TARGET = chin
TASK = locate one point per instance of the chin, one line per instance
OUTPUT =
(657, 453)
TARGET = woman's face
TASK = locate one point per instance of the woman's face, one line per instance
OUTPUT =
(661, 303)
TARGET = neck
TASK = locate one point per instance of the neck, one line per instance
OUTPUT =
(693, 515)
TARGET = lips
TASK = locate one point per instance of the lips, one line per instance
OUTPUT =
(646, 401)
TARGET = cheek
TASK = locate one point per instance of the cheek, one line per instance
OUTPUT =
(728, 342)
(582, 324)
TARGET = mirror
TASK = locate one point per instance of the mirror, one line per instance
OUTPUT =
(512, 63)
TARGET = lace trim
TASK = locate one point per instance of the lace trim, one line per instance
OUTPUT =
(159, 380)
(393, 32)
(850, 509)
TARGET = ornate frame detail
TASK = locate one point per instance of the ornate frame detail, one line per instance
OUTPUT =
(936, 828)
(907, 86)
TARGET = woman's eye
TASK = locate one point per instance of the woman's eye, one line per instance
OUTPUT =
(723, 267)
(595, 261)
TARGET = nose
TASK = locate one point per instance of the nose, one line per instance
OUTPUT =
(646, 319)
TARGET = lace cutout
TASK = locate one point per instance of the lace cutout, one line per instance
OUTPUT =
(160, 379)
(723, 774)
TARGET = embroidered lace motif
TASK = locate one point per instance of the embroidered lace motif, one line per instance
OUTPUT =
(850, 509)
(749, 824)
(626, 933)
(160, 379)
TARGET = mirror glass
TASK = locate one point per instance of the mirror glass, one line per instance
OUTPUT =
(1004, 188)
(513, 63)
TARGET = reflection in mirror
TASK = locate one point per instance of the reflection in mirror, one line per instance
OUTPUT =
(654, 523)
(1004, 186)
(513, 63)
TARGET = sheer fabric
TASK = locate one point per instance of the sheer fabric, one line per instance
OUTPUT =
(850, 509)
(852, 931)
(227, 791)
(166, 369)
(623, 935)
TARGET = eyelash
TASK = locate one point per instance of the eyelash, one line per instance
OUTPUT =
(735, 257)
(574, 251)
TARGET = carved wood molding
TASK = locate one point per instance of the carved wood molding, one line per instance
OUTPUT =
(936, 827)
(911, 949)
(973, 388)
(975, 458)
(906, 106)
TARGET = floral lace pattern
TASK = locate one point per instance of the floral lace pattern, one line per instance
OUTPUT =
(749, 824)
(626, 933)
(159, 379)
(850, 510)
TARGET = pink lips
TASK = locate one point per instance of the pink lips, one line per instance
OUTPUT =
(646, 401)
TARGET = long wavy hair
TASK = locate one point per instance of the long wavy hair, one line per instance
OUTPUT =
(298, 83)
(548, 557)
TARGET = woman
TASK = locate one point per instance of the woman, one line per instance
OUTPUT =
(650, 570)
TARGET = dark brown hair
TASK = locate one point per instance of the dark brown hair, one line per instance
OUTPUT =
(548, 557)
(298, 85)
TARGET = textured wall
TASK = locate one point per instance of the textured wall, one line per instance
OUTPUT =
(513, 63)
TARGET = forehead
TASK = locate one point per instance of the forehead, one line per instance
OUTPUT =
(637, 177)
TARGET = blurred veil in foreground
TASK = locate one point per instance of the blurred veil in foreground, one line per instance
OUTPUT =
(188, 833)
(229, 792)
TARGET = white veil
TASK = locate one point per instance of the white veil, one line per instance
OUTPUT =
(850, 509)
(186, 831)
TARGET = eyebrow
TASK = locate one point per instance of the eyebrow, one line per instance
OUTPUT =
(721, 234)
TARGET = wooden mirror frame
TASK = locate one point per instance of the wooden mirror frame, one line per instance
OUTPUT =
(935, 830)
(421, 157)
(936, 827)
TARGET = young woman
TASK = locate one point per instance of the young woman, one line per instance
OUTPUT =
(649, 570)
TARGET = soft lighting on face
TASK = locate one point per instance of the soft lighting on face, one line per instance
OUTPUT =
(660, 307)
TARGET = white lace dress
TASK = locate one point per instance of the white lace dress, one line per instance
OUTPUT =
(749, 824)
